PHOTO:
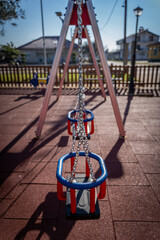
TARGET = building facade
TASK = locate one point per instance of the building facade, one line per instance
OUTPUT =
(34, 53)
(144, 38)
(154, 52)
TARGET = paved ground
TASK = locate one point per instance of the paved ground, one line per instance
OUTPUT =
(29, 208)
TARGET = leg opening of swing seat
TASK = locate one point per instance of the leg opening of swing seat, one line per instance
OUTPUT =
(82, 202)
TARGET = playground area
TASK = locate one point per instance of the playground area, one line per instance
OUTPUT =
(77, 162)
(29, 207)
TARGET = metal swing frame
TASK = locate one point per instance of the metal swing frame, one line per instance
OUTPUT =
(106, 71)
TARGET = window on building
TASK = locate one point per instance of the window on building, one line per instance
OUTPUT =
(28, 55)
(55, 42)
(155, 51)
(150, 38)
(138, 47)
(138, 39)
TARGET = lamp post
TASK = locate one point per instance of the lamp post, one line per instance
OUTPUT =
(138, 12)
(125, 57)
(59, 14)
(44, 46)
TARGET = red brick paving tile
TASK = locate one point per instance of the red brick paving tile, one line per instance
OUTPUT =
(154, 180)
(19, 146)
(38, 201)
(53, 139)
(125, 174)
(110, 140)
(136, 125)
(13, 121)
(34, 171)
(107, 130)
(105, 122)
(6, 139)
(157, 138)
(4, 204)
(93, 137)
(10, 129)
(133, 203)
(150, 122)
(9, 186)
(102, 111)
(149, 163)
(7, 115)
(22, 229)
(131, 118)
(26, 166)
(145, 147)
(94, 146)
(50, 132)
(118, 153)
(7, 202)
(154, 130)
(148, 114)
(28, 115)
(30, 134)
(139, 135)
(47, 175)
(60, 151)
(137, 230)
(105, 118)
(88, 229)
(44, 153)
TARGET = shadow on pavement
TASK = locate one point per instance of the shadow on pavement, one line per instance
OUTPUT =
(126, 112)
(47, 224)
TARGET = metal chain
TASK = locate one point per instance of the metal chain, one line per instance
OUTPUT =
(80, 130)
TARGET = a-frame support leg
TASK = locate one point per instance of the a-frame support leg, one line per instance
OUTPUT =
(106, 71)
(67, 62)
(54, 68)
(95, 62)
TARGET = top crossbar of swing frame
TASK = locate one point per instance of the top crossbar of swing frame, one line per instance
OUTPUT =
(105, 67)
(84, 185)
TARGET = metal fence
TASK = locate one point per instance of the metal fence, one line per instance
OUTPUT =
(145, 76)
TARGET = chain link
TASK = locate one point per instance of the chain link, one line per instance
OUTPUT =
(80, 129)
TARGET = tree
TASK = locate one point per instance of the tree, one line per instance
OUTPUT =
(8, 53)
(23, 58)
(87, 54)
(10, 10)
(74, 57)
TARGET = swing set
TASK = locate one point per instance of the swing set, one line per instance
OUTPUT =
(81, 196)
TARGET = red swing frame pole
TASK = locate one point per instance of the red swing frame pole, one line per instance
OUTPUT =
(54, 68)
(67, 63)
(95, 62)
(105, 67)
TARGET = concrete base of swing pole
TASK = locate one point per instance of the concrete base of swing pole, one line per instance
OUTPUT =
(82, 202)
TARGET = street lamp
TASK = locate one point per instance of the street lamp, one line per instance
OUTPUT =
(44, 46)
(125, 57)
(59, 14)
(138, 12)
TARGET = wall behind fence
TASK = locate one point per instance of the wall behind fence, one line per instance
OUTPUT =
(145, 76)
